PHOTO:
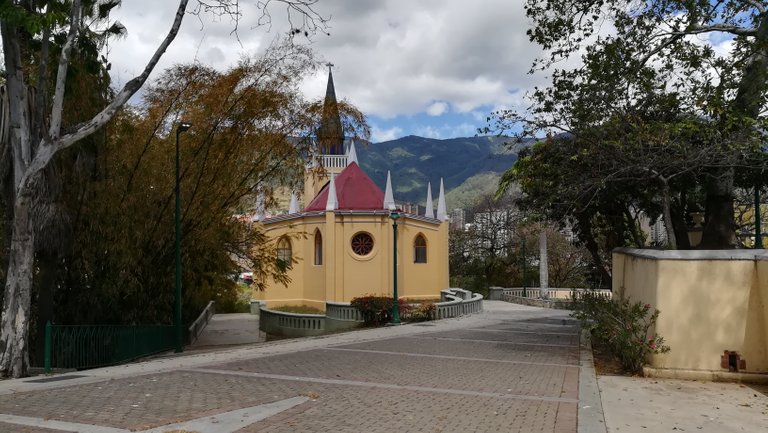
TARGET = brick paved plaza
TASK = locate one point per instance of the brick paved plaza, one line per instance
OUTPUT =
(510, 371)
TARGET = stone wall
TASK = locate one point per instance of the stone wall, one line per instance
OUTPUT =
(710, 302)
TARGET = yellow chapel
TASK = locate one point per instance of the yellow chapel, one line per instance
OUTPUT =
(342, 243)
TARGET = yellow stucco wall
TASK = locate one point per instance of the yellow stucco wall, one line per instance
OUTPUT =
(345, 275)
(710, 301)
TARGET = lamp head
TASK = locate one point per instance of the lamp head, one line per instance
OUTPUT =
(183, 127)
(394, 214)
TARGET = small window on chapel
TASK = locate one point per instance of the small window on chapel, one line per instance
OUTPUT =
(284, 252)
(318, 248)
(420, 249)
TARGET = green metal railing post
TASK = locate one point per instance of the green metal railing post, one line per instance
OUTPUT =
(395, 304)
(47, 350)
(758, 229)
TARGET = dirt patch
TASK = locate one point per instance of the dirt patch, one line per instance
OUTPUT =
(606, 364)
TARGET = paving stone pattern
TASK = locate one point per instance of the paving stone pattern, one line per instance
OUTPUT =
(13, 428)
(516, 375)
(474, 349)
(148, 401)
(358, 410)
(449, 373)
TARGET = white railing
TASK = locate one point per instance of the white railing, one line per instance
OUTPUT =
(334, 161)
(458, 302)
(561, 294)
(342, 311)
(196, 328)
(290, 324)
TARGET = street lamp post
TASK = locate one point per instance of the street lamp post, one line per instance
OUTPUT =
(758, 229)
(395, 307)
(183, 127)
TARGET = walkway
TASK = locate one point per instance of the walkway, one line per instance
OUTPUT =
(510, 369)
(229, 330)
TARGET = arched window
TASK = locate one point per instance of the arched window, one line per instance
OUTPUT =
(318, 248)
(284, 251)
(419, 249)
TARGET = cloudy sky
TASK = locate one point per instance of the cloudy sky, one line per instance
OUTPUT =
(434, 68)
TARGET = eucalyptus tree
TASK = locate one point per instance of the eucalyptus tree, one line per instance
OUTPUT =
(711, 57)
(36, 136)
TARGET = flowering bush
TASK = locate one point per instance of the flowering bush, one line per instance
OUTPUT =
(377, 310)
(422, 312)
(622, 327)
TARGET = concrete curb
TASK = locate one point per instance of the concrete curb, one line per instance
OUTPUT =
(590, 416)
(706, 375)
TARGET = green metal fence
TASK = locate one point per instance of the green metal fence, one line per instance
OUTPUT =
(89, 346)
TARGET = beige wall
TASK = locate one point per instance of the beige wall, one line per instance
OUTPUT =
(710, 301)
(344, 275)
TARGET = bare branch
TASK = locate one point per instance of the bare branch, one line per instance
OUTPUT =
(61, 74)
(734, 30)
(757, 4)
(130, 88)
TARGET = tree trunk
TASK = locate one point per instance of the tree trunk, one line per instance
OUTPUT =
(680, 227)
(585, 229)
(14, 324)
(667, 215)
(719, 225)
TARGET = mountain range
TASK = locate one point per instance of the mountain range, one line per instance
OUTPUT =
(470, 167)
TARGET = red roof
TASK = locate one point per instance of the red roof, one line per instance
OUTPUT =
(354, 190)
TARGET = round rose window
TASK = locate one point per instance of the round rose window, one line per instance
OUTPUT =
(362, 244)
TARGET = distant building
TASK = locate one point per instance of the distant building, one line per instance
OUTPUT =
(458, 221)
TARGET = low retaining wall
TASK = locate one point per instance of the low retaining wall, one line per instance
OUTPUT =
(458, 302)
(710, 302)
(290, 324)
(342, 316)
(559, 298)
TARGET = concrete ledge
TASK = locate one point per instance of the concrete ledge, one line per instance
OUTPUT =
(591, 418)
(706, 375)
(694, 254)
(556, 304)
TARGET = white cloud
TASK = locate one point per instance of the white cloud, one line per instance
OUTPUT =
(378, 135)
(392, 57)
(437, 108)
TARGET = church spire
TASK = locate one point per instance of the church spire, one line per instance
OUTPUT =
(330, 134)
(442, 215)
(430, 211)
(352, 154)
(333, 201)
(389, 200)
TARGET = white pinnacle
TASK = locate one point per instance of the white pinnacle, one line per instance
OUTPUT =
(294, 206)
(389, 199)
(352, 154)
(442, 215)
(333, 201)
(430, 212)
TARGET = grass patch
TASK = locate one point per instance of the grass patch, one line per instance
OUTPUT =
(298, 309)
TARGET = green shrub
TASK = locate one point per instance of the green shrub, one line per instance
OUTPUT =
(422, 312)
(620, 326)
(377, 310)
(298, 309)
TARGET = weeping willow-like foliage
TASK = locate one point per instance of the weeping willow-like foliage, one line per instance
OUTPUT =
(250, 134)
